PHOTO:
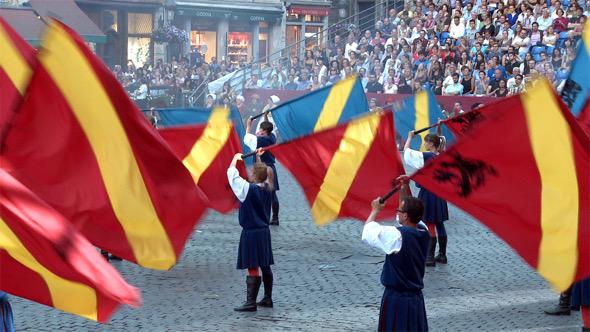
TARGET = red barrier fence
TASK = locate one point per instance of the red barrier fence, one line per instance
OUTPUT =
(446, 102)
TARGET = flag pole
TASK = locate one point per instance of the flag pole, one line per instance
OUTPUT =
(389, 194)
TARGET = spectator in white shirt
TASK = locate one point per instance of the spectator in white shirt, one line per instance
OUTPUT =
(457, 28)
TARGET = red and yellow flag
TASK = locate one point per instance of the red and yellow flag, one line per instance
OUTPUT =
(44, 259)
(16, 62)
(81, 144)
(524, 172)
(206, 151)
(341, 170)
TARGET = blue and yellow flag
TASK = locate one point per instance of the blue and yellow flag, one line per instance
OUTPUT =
(576, 91)
(321, 109)
(417, 112)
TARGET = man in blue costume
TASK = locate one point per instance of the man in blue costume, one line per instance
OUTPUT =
(263, 138)
(406, 247)
(6, 322)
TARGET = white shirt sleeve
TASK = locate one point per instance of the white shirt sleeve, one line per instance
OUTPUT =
(414, 158)
(238, 185)
(251, 141)
(386, 238)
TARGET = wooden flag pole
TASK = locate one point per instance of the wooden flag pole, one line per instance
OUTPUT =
(390, 193)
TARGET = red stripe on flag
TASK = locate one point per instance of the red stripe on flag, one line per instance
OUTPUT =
(516, 218)
(16, 278)
(376, 176)
(157, 163)
(71, 183)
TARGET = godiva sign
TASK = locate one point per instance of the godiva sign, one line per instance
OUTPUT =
(234, 15)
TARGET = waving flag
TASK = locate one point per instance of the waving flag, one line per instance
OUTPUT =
(81, 144)
(206, 151)
(577, 87)
(173, 117)
(341, 170)
(16, 62)
(321, 109)
(44, 259)
(417, 112)
(530, 184)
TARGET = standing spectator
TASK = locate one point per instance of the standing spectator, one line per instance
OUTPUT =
(304, 83)
(291, 85)
(253, 83)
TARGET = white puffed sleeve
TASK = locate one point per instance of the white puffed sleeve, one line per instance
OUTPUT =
(251, 141)
(238, 185)
(386, 238)
(414, 158)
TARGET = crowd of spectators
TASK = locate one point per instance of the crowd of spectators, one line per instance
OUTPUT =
(474, 47)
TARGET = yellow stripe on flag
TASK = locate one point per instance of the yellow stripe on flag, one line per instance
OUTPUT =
(335, 103)
(552, 146)
(422, 114)
(207, 147)
(13, 63)
(99, 120)
(586, 37)
(66, 295)
(347, 160)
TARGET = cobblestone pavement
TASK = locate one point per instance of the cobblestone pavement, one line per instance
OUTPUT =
(326, 279)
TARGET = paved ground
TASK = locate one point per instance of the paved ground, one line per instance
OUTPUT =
(326, 279)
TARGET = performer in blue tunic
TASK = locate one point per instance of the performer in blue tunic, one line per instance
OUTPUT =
(263, 138)
(435, 209)
(581, 301)
(6, 322)
(406, 246)
(575, 298)
(255, 249)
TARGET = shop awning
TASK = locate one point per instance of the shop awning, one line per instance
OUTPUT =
(254, 12)
(25, 22)
(309, 10)
(68, 12)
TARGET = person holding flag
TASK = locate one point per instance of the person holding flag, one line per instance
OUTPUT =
(406, 246)
(435, 209)
(263, 138)
(581, 301)
(255, 249)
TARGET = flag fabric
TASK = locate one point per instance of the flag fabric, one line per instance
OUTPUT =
(462, 124)
(577, 87)
(584, 118)
(17, 59)
(525, 174)
(341, 170)
(417, 112)
(321, 109)
(81, 144)
(207, 151)
(44, 259)
(173, 117)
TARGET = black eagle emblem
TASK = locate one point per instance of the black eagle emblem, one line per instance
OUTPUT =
(570, 92)
(467, 120)
(466, 174)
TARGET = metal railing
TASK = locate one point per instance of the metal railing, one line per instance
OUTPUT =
(356, 24)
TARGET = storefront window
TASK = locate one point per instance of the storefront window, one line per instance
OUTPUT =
(138, 50)
(313, 37)
(263, 45)
(293, 39)
(239, 46)
(139, 23)
(139, 27)
(314, 18)
(205, 42)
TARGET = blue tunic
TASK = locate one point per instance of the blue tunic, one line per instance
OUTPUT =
(402, 305)
(435, 208)
(6, 322)
(255, 249)
(268, 158)
(581, 294)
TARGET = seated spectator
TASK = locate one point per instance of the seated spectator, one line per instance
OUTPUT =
(516, 85)
(455, 88)
(373, 86)
(291, 85)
